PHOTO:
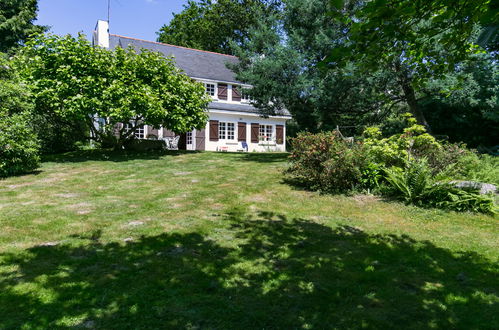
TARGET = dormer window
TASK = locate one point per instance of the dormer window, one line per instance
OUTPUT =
(210, 89)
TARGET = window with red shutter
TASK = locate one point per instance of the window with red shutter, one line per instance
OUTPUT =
(255, 130)
(279, 132)
(213, 130)
(241, 131)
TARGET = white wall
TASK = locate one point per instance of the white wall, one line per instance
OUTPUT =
(235, 145)
(101, 34)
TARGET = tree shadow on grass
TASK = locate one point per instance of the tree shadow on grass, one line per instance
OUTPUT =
(111, 155)
(268, 272)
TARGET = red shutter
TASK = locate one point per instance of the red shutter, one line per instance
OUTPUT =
(241, 131)
(279, 132)
(222, 91)
(255, 131)
(213, 130)
(236, 93)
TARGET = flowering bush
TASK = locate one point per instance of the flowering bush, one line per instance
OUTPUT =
(326, 162)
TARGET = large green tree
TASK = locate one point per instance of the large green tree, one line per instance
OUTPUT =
(75, 81)
(210, 25)
(464, 104)
(17, 22)
(280, 60)
(417, 39)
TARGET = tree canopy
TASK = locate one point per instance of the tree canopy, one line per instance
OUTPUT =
(16, 22)
(280, 60)
(76, 81)
(210, 25)
(382, 29)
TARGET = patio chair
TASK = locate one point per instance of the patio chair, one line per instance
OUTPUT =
(174, 142)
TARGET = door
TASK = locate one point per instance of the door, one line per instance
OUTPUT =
(189, 141)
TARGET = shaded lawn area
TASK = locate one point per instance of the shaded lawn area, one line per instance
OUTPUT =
(217, 240)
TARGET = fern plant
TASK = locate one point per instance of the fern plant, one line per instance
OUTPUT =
(411, 184)
(415, 185)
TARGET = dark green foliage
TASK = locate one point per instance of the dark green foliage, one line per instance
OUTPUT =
(383, 29)
(450, 198)
(59, 134)
(19, 148)
(464, 105)
(326, 162)
(280, 60)
(16, 22)
(210, 25)
(410, 184)
(414, 184)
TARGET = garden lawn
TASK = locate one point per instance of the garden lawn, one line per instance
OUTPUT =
(218, 240)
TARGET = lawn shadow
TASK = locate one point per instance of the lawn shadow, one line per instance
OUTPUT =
(272, 272)
(111, 155)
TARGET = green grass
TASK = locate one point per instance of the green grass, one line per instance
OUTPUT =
(218, 240)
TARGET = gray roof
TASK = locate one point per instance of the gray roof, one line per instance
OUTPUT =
(239, 107)
(195, 63)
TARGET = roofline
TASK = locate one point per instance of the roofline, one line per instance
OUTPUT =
(161, 43)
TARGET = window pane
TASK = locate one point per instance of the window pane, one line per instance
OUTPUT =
(210, 89)
(221, 130)
(230, 131)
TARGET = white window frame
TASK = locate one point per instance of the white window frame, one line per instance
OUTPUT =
(224, 132)
(188, 138)
(139, 133)
(206, 84)
(266, 133)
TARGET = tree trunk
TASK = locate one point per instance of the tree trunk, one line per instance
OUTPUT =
(410, 97)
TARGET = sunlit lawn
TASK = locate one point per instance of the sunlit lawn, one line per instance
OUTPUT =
(218, 240)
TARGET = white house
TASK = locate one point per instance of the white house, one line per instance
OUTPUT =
(234, 124)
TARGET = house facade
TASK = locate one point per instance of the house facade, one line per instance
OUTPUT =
(234, 124)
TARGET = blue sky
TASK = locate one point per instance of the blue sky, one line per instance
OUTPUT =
(133, 18)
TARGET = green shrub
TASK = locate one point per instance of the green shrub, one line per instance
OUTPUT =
(19, 146)
(469, 165)
(445, 196)
(410, 184)
(395, 150)
(414, 185)
(18, 143)
(326, 162)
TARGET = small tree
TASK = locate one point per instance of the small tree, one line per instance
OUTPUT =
(76, 81)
